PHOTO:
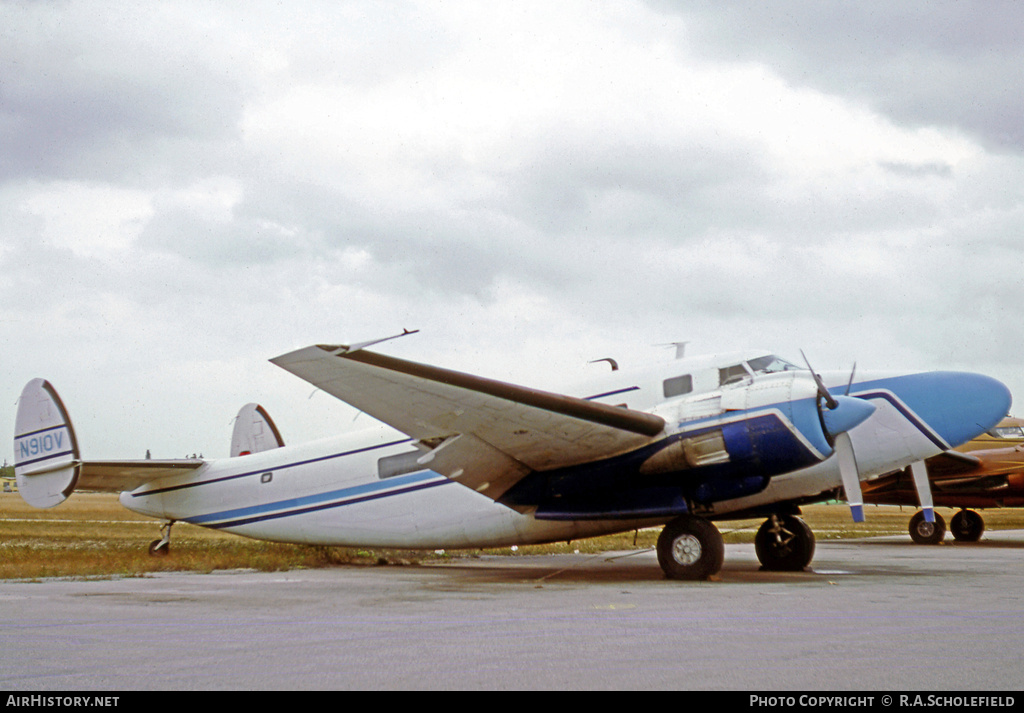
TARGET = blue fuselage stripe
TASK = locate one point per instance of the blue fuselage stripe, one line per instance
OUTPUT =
(612, 393)
(923, 427)
(320, 501)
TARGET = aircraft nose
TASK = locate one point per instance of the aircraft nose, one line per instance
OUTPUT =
(960, 406)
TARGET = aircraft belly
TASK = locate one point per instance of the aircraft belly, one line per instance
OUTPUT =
(445, 515)
(783, 488)
(303, 496)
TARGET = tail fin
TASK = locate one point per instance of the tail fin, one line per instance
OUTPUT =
(254, 432)
(46, 458)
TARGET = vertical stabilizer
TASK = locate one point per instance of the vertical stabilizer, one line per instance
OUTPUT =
(46, 457)
(254, 432)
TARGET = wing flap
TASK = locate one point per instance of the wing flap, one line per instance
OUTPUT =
(476, 464)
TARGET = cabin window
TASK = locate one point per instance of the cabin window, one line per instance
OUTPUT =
(678, 385)
(266, 477)
(392, 466)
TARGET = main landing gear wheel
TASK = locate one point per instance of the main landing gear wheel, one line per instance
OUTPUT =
(784, 544)
(690, 548)
(967, 526)
(927, 533)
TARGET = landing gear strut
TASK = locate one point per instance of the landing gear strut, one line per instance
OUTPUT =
(784, 544)
(162, 547)
(927, 533)
(967, 526)
(690, 548)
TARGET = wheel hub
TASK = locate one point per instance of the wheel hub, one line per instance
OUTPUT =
(686, 549)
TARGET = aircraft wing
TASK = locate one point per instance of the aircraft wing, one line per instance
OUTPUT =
(115, 476)
(952, 464)
(483, 433)
(950, 471)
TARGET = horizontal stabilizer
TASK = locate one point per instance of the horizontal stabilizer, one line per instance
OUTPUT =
(118, 475)
(47, 463)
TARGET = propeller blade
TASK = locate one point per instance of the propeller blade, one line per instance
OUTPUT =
(849, 384)
(822, 391)
(924, 489)
(850, 474)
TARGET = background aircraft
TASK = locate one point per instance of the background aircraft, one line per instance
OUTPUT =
(465, 461)
(1009, 432)
(975, 475)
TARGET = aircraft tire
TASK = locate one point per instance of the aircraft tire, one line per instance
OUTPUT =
(967, 526)
(690, 548)
(927, 533)
(155, 550)
(784, 544)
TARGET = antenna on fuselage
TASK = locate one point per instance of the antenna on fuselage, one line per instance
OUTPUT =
(680, 348)
(615, 364)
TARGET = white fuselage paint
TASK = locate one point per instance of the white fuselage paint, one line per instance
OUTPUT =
(329, 492)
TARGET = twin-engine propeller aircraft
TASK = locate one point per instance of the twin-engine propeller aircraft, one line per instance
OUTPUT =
(467, 462)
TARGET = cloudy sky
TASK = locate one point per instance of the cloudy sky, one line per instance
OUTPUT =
(190, 188)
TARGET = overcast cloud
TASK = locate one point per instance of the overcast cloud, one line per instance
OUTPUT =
(190, 188)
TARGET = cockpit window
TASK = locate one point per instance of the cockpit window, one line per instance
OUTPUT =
(770, 364)
(1008, 432)
(732, 374)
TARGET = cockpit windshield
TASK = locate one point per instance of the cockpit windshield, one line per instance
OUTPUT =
(770, 364)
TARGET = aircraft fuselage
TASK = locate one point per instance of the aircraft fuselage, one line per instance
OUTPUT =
(729, 450)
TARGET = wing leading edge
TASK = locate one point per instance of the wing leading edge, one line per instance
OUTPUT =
(484, 433)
